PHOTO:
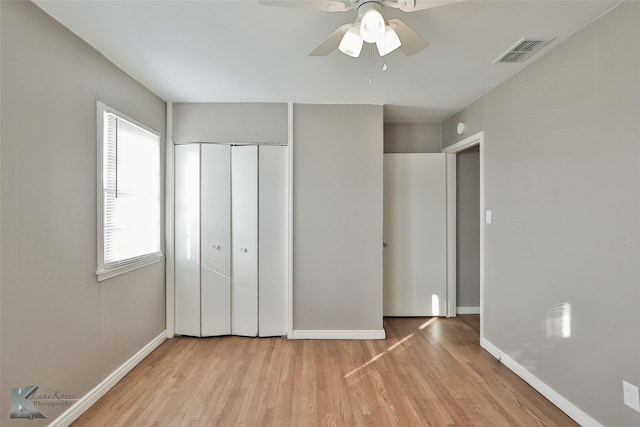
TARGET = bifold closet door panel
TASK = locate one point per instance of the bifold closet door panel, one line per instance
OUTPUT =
(187, 239)
(273, 238)
(244, 229)
(215, 240)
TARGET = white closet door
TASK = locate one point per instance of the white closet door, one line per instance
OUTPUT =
(187, 240)
(215, 265)
(244, 229)
(415, 230)
(273, 237)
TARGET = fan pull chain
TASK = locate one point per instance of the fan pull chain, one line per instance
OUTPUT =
(370, 65)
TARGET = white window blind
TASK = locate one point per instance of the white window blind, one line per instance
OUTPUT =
(129, 234)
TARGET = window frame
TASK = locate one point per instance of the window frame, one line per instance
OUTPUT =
(135, 263)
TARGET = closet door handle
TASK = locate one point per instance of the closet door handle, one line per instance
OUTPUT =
(217, 247)
(244, 250)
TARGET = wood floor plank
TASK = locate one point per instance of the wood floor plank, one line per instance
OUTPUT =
(427, 372)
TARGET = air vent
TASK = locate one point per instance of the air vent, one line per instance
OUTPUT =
(522, 50)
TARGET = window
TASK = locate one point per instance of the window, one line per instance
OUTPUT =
(129, 234)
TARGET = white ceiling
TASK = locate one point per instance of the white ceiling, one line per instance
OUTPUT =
(240, 51)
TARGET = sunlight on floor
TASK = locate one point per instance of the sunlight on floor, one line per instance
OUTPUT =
(427, 323)
(378, 356)
(393, 347)
(400, 342)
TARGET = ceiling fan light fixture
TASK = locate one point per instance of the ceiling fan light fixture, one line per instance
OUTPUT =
(389, 42)
(372, 27)
(351, 43)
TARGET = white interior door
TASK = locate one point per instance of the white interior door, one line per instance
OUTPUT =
(244, 229)
(215, 248)
(415, 233)
(273, 238)
(187, 240)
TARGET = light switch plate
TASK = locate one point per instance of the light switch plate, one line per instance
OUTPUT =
(487, 217)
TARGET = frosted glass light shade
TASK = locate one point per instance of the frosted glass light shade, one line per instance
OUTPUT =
(351, 43)
(389, 42)
(372, 26)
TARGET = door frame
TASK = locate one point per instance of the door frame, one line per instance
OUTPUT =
(169, 229)
(452, 188)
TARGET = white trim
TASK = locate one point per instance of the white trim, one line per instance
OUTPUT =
(125, 268)
(290, 219)
(82, 405)
(553, 396)
(469, 142)
(482, 231)
(374, 334)
(473, 140)
(452, 208)
(468, 310)
(169, 224)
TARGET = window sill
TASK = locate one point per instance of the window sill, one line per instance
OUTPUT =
(122, 269)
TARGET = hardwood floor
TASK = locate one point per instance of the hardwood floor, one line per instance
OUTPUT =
(428, 372)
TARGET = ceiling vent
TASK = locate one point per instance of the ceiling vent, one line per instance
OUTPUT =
(522, 50)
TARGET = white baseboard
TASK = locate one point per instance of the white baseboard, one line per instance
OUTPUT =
(82, 405)
(373, 334)
(467, 310)
(557, 399)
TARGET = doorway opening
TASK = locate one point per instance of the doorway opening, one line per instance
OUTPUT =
(452, 190)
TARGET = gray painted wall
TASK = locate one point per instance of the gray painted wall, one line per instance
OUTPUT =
(468, 227)
(337, 217)
(562, 162)
(472, 117)
(61, 329)
(230, 123)
(412, 138)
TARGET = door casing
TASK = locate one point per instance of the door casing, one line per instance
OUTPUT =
(451, 151)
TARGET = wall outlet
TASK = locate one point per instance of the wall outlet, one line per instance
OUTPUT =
(631, 395)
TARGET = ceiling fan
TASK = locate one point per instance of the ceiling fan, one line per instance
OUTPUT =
(369, 26)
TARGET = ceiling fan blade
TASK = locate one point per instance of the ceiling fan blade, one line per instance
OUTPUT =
(413, 5)
(412, 42)
(427, 4)
(330, 43)
(321, 5)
